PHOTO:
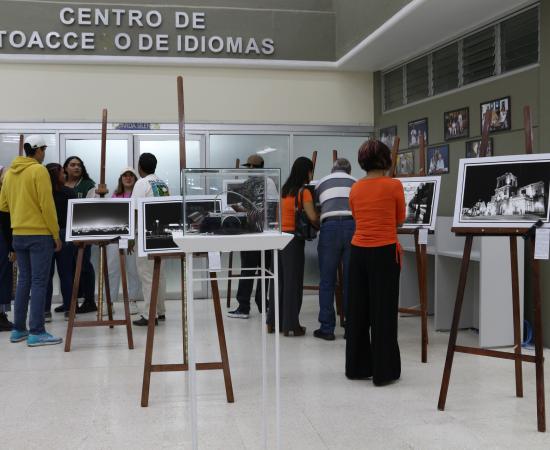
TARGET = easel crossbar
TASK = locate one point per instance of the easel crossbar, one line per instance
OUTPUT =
(495, 354)
(185, 367)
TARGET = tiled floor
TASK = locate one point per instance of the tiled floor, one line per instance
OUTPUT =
(90, 398)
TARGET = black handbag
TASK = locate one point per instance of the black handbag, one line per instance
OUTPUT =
(303, 227)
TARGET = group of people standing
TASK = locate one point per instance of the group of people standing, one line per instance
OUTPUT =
(358, 222)
(33, 213)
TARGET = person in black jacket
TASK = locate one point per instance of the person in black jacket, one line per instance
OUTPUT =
(6, 266)
(64, 259)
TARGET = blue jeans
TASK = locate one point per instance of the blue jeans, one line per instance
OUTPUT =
(64, 259)
(34, 259)
(6, 276)
(334, 247)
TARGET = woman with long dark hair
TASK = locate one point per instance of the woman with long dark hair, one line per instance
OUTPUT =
(64, 259)
(291, 258)
(7, 257)
(378, 206)
(77, 178)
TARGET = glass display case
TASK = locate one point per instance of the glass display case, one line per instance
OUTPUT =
(231, 201)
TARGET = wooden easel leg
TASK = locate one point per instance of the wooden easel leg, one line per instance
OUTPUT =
(456, 321)
(124, 280)
(103, 252)
(420, 253)
(74, 298)
(150, 334)
(539, 349)
(230, 274)
(221, 338)
(516, 313)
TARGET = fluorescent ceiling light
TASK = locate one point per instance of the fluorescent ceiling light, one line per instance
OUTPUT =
(266, 150)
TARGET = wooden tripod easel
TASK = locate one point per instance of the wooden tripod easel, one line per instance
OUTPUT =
(103, 276)
(420, 252)
(148, 366)
(516, 356)
(339, 287)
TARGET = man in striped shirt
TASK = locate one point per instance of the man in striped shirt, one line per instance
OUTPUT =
(337, 228)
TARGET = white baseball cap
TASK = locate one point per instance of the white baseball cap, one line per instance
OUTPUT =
(36, 141)
(129, 169)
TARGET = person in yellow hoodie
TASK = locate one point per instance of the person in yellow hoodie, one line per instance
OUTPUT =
(27, 196)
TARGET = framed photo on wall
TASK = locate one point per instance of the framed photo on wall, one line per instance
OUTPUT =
(387, 135)
(502, 191)
(414, 130)
(405, 163)
(472, 148)
(438, 160)
(456, 124)
(501, 114)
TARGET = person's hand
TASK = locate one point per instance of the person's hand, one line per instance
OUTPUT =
(12, 257)
(58, 245)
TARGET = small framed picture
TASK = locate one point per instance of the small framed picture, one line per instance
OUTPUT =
(501, 114)
(405, 163)
(387, 135)
(438, 160)
(456, 124)
(472, 148)
(415, 129)
(99, 219)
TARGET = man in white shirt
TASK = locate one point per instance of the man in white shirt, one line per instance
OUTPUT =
(149, 185)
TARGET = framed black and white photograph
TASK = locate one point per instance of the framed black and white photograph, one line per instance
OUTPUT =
(415, 129)
(438, 160)
(456, 124)
(501, 114)
(421, 201)
(502, 191)
(387, 135)
(405, 163)
(99, 219)
(472, 148)
(158, 217)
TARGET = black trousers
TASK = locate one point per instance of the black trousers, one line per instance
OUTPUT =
(371, 328)
(252, 260)
(86, 289)
(291, 286)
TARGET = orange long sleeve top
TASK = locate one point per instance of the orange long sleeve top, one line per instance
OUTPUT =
(378, 207)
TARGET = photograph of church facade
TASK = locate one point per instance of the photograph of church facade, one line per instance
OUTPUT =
(509, 200)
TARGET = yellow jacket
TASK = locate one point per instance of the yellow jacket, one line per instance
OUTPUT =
(27, 195)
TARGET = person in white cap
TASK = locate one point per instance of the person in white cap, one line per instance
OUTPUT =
(27, 195)
(125, 186)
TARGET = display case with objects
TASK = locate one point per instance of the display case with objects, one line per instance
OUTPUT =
(231, 201)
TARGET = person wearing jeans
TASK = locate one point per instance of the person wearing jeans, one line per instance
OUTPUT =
(27, 195)
(337, 228)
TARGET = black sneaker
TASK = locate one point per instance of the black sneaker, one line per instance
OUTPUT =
(143, 322)
(86, 307)
(322, 335)
(47, 317)
(238, 314)
(60, 309)
(162, 317)
(5, 324)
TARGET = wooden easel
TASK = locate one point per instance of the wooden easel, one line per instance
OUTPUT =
(516, 356)
(148, 366)
(420, 252)
(339, 286)
(103, 276)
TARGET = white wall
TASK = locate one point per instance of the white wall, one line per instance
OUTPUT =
(66, 93)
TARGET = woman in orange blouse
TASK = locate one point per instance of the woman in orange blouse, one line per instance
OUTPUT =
(291, 258)
(378, 206)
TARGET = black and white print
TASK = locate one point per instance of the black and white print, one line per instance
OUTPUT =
(421, 201)
(505, 191)
(158, 217)
(99, 219)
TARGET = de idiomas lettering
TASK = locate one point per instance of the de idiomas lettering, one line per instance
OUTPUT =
(135, 37)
